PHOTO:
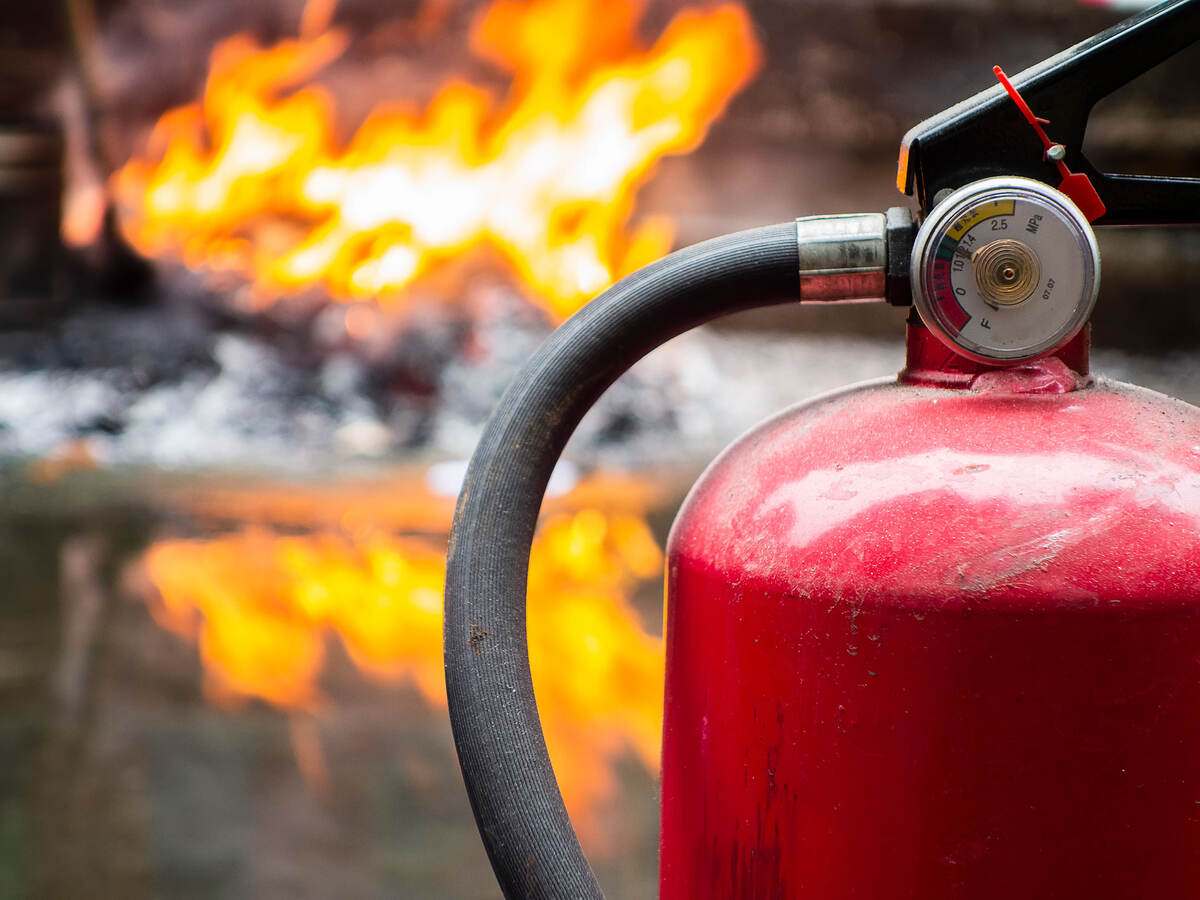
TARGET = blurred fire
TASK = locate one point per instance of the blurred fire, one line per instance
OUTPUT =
(262, 606)
(253, 179)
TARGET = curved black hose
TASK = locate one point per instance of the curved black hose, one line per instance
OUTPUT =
(509, 779)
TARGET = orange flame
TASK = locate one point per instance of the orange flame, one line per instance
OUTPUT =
(261, 607)
(252, 179)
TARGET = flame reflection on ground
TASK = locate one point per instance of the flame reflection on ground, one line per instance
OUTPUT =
(263, 606)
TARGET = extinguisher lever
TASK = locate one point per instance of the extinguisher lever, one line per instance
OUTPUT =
(989, 134)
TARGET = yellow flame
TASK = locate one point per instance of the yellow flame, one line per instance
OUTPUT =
(262, 605)
(252, 178)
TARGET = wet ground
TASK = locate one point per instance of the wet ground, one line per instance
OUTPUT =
(122, 777)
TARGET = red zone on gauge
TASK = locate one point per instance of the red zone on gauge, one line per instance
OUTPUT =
(945, 294)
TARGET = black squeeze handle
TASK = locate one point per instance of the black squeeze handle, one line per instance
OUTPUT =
(509, 779)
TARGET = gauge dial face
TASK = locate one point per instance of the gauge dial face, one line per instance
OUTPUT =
(1005, 269)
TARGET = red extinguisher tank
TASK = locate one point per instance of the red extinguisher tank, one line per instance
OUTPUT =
(940, 638)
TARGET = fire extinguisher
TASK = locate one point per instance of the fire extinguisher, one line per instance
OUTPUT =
(933, 638)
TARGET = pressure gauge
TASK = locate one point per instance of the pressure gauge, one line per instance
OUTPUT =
(1005, 269)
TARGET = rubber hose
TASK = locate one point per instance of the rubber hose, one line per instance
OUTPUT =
(507, 771)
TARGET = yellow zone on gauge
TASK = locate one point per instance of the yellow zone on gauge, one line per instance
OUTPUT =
(985, 211)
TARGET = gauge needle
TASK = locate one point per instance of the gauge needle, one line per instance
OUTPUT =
(1075, 185)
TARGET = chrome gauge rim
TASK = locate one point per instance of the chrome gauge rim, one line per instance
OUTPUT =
(1005, 269)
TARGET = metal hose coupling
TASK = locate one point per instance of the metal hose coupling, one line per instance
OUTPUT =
(859, 256)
